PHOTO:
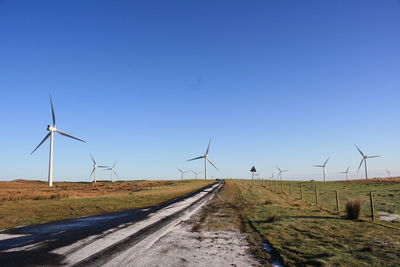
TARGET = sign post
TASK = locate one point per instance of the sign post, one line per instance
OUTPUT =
(253, 170)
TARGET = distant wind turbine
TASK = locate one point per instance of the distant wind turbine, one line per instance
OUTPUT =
(347, 173)
(195, 173)
(182, 172)
(388, 173)
(112, 171)
(364, 159)
(205, 157)
(95, 166)
(280, 172)
(52, 129)
(323, 167)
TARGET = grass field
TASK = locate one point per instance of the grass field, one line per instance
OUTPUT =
(306, 234)
(26, 202)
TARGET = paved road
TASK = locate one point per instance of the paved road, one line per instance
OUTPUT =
(94, 240)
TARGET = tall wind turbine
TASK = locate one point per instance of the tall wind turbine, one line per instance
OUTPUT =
(364, 159)
(323, 167)
(205, 157)
(347, 173)
(280, 172)
(52, 129)
(95, 166)
(112, 170)
(388, 173)
(182, 172)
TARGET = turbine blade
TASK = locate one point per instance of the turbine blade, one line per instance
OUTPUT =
(360, 164)
(208, 148)
(213, 164)
(278, 168)
(115, 172)
(196, 158)
(92, 173)
(326, 162)
(93, 159)
(115, 163)
(180, 170)
(371, 157)
(70, 136)
(52, 111)
(44, 139)
(359, 150)
(103, 166)
(348, 169)
(320, 166)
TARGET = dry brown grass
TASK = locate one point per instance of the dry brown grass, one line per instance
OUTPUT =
(28, 202)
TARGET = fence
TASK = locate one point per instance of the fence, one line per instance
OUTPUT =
(377, 199)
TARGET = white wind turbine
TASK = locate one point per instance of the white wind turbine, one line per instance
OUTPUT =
(347, 173)
(95, 166)
(205, 157)
(364, 159)
(196, 173)
(112, 171)
(280, 172)
(182, 172)
(388, 173)
(52, 129)
(323, 168)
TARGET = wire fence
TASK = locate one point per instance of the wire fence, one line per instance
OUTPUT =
(379, 201)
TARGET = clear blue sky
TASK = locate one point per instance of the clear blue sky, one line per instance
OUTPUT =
(147, 83)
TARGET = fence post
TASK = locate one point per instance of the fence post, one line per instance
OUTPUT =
(281, 187)
(316, 196)
(290, 188)
(337, 201)
(301, 192)
(371, 199)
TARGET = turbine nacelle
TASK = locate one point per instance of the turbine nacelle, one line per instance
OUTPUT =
(51, 128)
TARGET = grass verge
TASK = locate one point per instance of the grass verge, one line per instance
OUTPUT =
(31, 202)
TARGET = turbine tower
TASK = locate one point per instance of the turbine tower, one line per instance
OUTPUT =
(347, 173)
(280, 172)
(182, 172)
(323, 168)
(364, 159)
(112, 170)
(52, 129)
(205, 157)
(95, 166)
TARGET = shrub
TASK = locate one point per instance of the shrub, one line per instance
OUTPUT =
(268, 202)
(353, 207)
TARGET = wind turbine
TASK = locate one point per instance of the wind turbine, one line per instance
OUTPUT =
(280, 172)
(323, 168)
(347, 173)
(196, 173)
(388, 173)
(182, 172)
(95, 166)
(52, 129)
(112, 170)
(205, 157)
(364, 159)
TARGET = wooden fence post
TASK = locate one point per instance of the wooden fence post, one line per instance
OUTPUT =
(316, 196)
(371, 199)
(290, 188)
(301, 192)
(281, 187)
(337, 201)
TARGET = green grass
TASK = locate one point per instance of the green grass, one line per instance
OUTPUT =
(31, 211)
(307, 235)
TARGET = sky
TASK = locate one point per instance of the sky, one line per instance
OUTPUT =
(148, 83)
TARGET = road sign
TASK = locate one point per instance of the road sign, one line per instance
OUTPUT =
(253, 169)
